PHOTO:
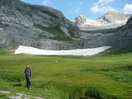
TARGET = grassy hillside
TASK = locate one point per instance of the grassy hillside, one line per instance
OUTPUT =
(69, 77)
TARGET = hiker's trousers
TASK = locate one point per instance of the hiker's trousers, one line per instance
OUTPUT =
(28, 82)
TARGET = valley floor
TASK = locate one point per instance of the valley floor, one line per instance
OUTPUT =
(68, 77)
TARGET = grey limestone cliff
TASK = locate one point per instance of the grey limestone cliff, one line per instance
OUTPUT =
(31, 25)
(123, 37)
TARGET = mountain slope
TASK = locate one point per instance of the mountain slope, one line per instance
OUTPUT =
(31, 25)
(123, 37)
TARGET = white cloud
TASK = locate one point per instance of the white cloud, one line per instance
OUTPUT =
(102, 6)
(127, 8)
(105, 1)
(99, 9)
(47, 2)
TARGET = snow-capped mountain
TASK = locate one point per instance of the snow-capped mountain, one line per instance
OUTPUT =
(82, 21)
(111, 19)
(114, 17)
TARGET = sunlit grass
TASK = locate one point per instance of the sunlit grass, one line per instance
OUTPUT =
(69, 77)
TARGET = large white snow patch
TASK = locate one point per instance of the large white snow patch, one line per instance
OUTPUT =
(76, 52)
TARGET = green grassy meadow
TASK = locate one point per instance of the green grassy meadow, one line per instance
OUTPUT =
(69, 77)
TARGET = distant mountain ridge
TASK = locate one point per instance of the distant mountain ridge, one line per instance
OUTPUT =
(114, 17)
(82, 20)
(110, 18)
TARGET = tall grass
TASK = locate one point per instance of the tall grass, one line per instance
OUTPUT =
(69, 77)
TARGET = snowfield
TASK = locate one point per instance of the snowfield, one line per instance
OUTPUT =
(76, 52)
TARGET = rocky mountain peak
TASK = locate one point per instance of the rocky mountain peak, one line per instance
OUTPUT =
(111, 19)
(81, 19)
(114, 17)
(113, 12)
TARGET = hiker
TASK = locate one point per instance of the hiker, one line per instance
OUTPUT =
(28, 74)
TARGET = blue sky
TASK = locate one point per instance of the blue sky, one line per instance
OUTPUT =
(90, 8)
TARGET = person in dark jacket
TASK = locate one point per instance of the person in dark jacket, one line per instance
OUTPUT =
(28, 74)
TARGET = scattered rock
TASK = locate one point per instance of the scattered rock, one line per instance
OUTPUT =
(23, 96)
(4, 92)
(17, 97)
(20, 96)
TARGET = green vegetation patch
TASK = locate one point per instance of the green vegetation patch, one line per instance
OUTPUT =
(124, 50)
(3, 51)
(123, 73)
(105, 31)
(3, 96)
(23, 11)
(56, 30)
